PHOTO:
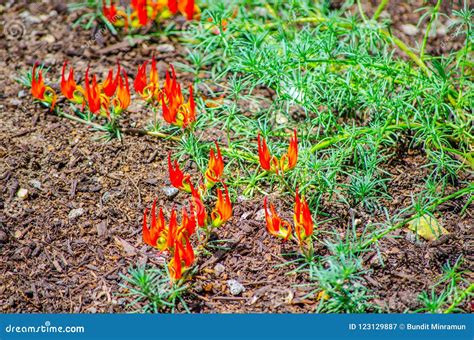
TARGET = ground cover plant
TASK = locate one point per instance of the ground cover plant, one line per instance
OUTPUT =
(237, 156)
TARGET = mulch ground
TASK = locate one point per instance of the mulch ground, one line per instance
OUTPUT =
(63, 248)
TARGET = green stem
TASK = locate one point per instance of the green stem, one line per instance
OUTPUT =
(380, 9)
(82, 121)
(428, 28)
(460, 299)
(430, 208)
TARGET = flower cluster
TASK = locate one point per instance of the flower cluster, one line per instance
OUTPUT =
(303, 222)
(171, 237)
(175, 238)
(143, 12)
(175, 110)
(110, 97)
(271, 163)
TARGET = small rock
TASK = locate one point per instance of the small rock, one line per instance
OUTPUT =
(165, 48)
(49, 39)
(281, 118)
(22, 94)
(22, 194)
(170, 192)
(30, 19)
(92, 310)
(102, 228)
(15, 102)
(75, 213)
(219, 269)
(235, 287)
(35, 184)
(409, 29)
(106, 197)
(260, 215)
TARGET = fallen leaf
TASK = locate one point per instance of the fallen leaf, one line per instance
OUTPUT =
(127, 247)
(427, 227)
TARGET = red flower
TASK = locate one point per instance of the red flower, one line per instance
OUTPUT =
(267, 162)
(275, 225)
(152, 235)
(173, 6)
(122, 99)
(95, 99)
(270, 163)
(175, 110)
(215, 168)
(172, 230)
(110, 84)
(303, 219)
(199, 207)
(177, 178)
(148, 90)
(69, 86)
(41, 92)
(223, 210)
(288, 161)
(140, 11)
(110, 12)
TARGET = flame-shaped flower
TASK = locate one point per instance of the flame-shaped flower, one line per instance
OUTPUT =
(140, 12)
(154, 236)
(271, 163)
(109, 86)
(175, 110)
(275, 225)
(148, 90)
(183, 258)
(178, 179)
(223, 210)
(267, 161)
(186, 7)
(215, 168)
(122, 99)
(69, 87)
(39, 90)
(95, 100)
(288, 160)
(303, 219)
(199, 208)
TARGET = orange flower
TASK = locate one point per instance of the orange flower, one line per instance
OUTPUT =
(140, 12)
(181, 254)
(93, 93)
(215, 168)
(41, 92)
(172, 230)
(177, 178)
(271, 163)
(69, 88)
(148, 90)
(154, 236)
(188, 223)
(223, 210)
(303, 219)
(288, 161)
(175, 110)
(122, 99)
(267, 162)
(110, 13)
(199, 207)
(109, 86)
(275, 225)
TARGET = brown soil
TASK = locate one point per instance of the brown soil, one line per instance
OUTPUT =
(50, 262)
